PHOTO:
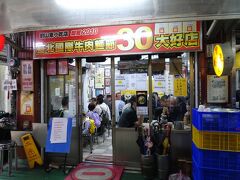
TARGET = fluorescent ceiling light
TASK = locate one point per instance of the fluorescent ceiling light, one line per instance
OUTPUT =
(97, 4)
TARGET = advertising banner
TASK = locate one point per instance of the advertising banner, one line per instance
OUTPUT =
(119, 40)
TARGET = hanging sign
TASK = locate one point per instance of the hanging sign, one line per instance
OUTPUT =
(27, 75)
(119, 40)
(180, 87)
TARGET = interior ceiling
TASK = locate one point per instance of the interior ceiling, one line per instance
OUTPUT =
(25, 15)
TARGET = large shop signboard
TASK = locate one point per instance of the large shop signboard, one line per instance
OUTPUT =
(118, 40)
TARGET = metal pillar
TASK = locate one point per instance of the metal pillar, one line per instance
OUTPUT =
(150, 89)
(113, 108)
(78, 92)
(196, 79)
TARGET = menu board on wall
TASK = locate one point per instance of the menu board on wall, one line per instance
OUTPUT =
(217, 89)
(180, 87)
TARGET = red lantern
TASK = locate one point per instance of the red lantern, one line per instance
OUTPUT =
(2, 42)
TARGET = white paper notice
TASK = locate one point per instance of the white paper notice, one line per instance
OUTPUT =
(57, 91)
(120, 82)
(142, 110)
(59, 130)
(141, 80)
(159, 83)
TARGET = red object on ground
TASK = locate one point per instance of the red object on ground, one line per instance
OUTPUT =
(95, 171)
(2, 42)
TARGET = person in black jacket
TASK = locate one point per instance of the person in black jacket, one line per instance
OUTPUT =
(129, 116)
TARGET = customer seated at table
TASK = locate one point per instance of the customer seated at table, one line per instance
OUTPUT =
(129, 115)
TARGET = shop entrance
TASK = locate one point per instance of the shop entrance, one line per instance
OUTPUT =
(97, 106)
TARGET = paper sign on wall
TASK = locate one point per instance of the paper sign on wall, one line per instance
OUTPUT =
(59, 130)
(217, 89)
(180, 87)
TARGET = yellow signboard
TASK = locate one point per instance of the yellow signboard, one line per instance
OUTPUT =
(31, 150)
(128, 92)
(218, 60)
(180, 87)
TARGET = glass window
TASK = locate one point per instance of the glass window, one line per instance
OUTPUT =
(62, 98)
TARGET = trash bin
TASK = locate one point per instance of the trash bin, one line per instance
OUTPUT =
(163, 166)
(148, 166)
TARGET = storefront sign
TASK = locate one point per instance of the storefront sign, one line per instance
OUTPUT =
(27, 104)
(27, 75)
(118, 40)
(217, 89)
(180, 87)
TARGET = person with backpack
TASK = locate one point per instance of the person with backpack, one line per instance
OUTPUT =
(93, 115)
(103, 110)
(89, 126)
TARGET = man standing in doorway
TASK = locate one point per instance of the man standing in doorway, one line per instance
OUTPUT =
(118, 106)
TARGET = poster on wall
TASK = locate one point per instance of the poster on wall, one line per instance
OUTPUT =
(51, 68)
(217, 89)
(120, 82)
(107, 82)
(142, 108)
(180, 87)
(63, 67)
(27, 103)
(99, 78)
(27, 75)
(159, 84)
(107, 73)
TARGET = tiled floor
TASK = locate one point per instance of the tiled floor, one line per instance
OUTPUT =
(100, 148)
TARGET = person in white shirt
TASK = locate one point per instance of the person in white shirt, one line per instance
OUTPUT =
(119, 104)
(102, 106)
